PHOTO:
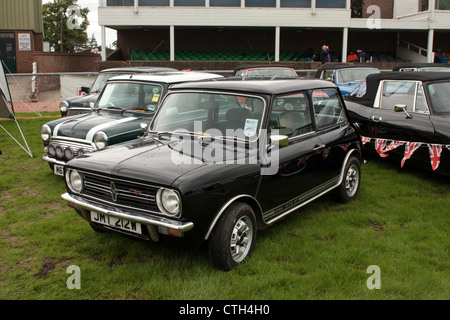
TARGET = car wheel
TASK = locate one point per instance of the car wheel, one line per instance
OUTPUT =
(349, 187)
(233, 237)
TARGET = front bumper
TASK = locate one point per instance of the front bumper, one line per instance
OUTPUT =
(46, 158)
(150, 221)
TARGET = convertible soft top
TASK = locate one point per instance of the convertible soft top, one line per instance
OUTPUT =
(341, 66)
(373, 80)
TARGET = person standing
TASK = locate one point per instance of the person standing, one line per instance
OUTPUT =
(325, 54)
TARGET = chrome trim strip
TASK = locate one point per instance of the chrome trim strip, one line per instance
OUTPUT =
(150, 221)
(90, 135)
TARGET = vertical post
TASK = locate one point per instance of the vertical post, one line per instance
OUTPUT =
(430, 53)
(344, 44)
(277, 44)
(136, 6)
(172, 43)
(103, 31)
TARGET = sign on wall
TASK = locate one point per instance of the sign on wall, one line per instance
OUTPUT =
(24, 42)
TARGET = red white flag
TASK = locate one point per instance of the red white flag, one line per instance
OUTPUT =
(366, 140)
(382, 146)
(410, 147)
(435, 155)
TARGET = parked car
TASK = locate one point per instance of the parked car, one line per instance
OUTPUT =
(265, 70)
(422, 67)
(405, 116)
(346, 77)
(221, 160)
(124, 107)
(82, 104)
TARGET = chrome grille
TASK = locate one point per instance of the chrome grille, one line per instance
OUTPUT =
(121, 192)
(74, 145)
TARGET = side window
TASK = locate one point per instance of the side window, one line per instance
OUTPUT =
(328, 108)
(398, 93)
(291, 115)
(421, 104)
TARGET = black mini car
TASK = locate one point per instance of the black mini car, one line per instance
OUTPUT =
(221, 160)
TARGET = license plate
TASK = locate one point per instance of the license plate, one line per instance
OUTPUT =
(59, 170)
(116, 223)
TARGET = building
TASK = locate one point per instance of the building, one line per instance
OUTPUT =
(281, 30)
(21, 33)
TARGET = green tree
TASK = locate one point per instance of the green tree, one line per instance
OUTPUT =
(65, 25)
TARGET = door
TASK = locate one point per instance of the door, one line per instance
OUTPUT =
(300, 163)
(8, 52)
(402, 116)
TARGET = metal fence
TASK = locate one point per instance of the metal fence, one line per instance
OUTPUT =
(39, 92)
(44, 91)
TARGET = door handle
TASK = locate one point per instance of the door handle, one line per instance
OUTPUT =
(377, 118)
(317, 148)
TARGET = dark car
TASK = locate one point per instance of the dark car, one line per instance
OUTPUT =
(221, 160)
(346, 77)
(405, 116)
(265, 70)
(82, 104)
(125, 106)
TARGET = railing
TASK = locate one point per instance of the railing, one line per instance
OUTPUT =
(413, 48)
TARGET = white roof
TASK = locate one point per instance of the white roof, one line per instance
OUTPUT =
(169, 77)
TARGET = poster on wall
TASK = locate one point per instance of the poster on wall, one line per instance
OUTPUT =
(24, 42)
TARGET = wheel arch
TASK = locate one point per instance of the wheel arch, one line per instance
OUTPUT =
(244, 198)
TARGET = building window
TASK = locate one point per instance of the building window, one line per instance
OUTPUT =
(154, 3)
(120, 3)
(331, 3)
(295, 4)
(189, 3)
(442, 5)
(224, 3)
(259, 3)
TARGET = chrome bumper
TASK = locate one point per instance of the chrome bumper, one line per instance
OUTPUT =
(146, 220)
(53, 161)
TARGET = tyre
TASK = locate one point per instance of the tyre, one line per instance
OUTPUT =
(349, 187)
(233, 237)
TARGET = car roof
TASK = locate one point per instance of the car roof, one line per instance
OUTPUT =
(243, 67)
(257, 86)
(141, 69)
(420, 65)
(373, 80)
(168, 77)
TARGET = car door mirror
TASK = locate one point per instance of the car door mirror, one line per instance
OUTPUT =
(278, 140)
(402, 108)
(144, 126)
(91, 105)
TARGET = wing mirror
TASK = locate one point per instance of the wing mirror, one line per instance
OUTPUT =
(278, 140)
(144, 126)
(402, 108)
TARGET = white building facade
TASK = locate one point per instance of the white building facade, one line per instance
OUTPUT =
(278, 16)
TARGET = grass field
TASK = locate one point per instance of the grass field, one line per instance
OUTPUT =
(399, 222)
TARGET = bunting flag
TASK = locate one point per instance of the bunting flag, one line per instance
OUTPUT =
(435, 155)
(410, 147)
(383, 146)
(365, 140)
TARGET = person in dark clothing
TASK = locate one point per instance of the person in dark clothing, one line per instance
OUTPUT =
(325, 54)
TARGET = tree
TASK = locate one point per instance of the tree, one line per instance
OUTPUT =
(65, 25)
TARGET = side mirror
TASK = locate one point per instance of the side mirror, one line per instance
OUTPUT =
(144, 126)
(86, 90)
(91, 105)
(278, 140)
(402, 108)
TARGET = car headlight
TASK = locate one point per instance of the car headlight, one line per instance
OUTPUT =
(74, 181)
(63, 106)
(101, 140)
(46, 133)
(168, 201)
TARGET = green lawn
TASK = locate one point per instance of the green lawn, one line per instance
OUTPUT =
(399, 223)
